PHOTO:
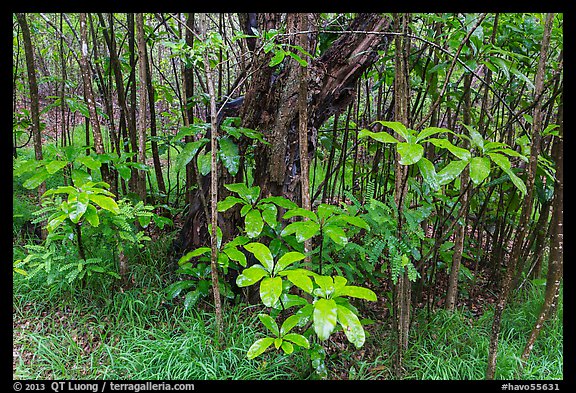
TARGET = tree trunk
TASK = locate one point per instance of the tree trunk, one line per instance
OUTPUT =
(141, 43)
(556, 258)
(526, 207)
(34, 98)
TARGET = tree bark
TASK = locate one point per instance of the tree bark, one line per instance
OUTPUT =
(141, 43)
(556, 258)
(527, 204)
(34, 98)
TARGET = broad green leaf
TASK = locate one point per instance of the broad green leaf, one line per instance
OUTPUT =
(228, 203)
(204, 163)
(479, 169)
(251, 276)
(351, 325)
(194, 253)
(61, 190)
(504, 164)
(398, 127)
(288, 259)
(269, 213)
(245, 209)
(278, 342)
(287, 347)
(54, 166)
(382, 137)
(91, 216)
(124, 171)
(80, 203)
(357, 292)
(25, 166)
(325, 316)
(270, 290)
(174, 289)
(476, 138)
(235, 255)
(89, 162)
(325, 210)
(105, 202)
(191, 299)
(55, 222)
(270, 323)
(428, 132)
(300, 60)
(289, 324)
(429, 173)
(512, 153)
(304, 230)
(354, 220)
(188, 152)
(253, 223)
(459, 152)
(297, 339)
(451, 171)
(336, 233)
(229, 154)
(262, 253)
(280, 201)
(277, 58)
(410, 153)
(36, 179)
(339, 282)
(80, 177)
(299, 278)
(259, 347)
(300, 212)
(239, 188)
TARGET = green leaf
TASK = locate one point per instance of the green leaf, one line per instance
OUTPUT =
(228, 203)
(383, 137)
(229, 154)
(297, 339)
(451, 171)
(204, 163)
(80, 177)
(270, 323)
(398, 127)
(251, 276)
(105, 202)
(325, 210)
(235, 255)
(300, 212)
(259, 347)
(280, 201)
(504, 163)
(270, 290)
(174, 289)
(354, 220)
(299, 278)
(191, 299)
(269, 213)
(325, 316)
(277, 58)
(194, 253)
(351, 325)
(288, 259)
(89, 162)
(80, 202)
(479, 169)
(36, 179)
(124, 171)
(188, 152)
(91, 216)
(262, 253)
(253, 223)
(300, 60)
(287, 347)
(304, 230)
(410, 153)
(357, 292)
(459, 152)
(54, 166)
(336, 233)
(289, 324)
(429, 173)
(427, 132)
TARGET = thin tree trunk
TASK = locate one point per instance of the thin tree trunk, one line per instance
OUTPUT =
(527, 205)
(141, 43)
(34, 98)
(556, 258)
(213, 193)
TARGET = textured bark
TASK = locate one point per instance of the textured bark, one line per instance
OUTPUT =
(523, 226)
(34, 100)
(555, 261)
(141, 43)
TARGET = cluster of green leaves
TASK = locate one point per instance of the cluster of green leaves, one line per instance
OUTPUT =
(411, 151)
